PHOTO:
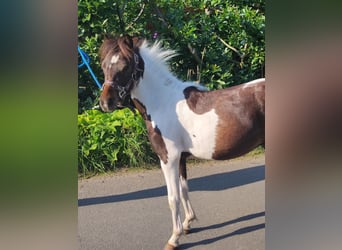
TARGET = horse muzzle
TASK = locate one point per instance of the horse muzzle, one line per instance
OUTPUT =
(108, 105)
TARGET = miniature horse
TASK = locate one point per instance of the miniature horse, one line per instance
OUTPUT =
(182, 118)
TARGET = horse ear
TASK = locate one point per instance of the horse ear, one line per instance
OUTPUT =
(127, 39)
(106, 36)
(103, 50)
(125, 44)
(137, 41)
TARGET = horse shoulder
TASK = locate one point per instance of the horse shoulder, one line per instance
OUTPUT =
(198, 122)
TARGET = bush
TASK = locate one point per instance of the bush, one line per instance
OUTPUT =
(107, 141)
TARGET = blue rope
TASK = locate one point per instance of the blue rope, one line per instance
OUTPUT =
(86, 57)
(85, 61)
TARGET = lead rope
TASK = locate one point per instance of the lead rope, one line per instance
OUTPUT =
(85, 61)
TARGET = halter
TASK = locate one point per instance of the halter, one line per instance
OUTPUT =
(124, 90)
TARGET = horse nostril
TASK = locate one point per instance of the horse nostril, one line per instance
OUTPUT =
(110, 102)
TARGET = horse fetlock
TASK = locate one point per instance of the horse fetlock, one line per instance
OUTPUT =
(186, 227)
(193, 218)
(186, 224)
(189, 219)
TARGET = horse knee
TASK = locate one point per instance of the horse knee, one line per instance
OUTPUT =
(173, 202)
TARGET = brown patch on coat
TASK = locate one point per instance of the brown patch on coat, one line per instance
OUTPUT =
(241, 112)
(198, 100)
(182, 164)
(154, 134)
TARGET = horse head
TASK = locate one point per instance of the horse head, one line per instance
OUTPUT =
(123, 67)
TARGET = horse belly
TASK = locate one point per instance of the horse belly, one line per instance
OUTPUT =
(211, 144)
(235, 138)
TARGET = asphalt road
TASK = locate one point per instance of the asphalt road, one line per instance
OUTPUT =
(129, 211)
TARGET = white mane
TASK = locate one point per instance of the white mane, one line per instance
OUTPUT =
(157, 58)
(156, 51)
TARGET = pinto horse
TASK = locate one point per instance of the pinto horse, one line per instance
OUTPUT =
(182, 118)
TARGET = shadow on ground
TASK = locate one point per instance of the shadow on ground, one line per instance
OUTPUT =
(214, 182)
(240, 231)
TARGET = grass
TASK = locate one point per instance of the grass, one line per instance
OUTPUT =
(257, 151)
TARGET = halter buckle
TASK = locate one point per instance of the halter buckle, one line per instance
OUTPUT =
(136, 59)
(122, 92)
(134, 76)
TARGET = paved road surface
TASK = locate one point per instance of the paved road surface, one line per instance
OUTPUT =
(129, 211)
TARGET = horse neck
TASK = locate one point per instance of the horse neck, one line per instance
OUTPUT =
(157, 87)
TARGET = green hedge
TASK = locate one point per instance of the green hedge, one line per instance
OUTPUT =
(107, 141)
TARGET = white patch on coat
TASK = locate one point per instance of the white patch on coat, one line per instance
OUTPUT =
(201, 130)
(253, 82)
(115, 59)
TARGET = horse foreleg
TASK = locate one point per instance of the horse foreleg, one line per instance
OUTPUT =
(171, 174)
(184, 194)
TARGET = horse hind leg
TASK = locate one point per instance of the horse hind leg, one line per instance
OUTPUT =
(184, 194)
(189, 212)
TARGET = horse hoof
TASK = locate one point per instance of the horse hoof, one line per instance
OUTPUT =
(169, 247)
(186, 231)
